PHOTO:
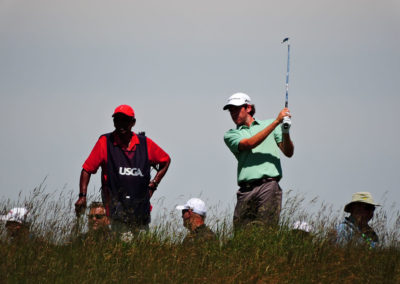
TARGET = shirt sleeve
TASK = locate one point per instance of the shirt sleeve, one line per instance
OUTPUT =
(232, 139)
(156, 154)
(97, 157)
(278, 134)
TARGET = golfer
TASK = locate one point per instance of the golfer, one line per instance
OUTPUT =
(125, 159)
(256, 145)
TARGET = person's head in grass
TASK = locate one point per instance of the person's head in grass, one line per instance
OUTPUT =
(193, 213)
(361, 208)
(17, 225)
(98, 220)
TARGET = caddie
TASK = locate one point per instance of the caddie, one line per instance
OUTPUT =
(256, 144)
(125, 159)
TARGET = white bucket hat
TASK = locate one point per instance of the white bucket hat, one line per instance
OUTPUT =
(196, 205)
(238, 99)
(17, 214)
(363, 197)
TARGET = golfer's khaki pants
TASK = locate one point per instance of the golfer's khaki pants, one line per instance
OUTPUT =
(260, 205)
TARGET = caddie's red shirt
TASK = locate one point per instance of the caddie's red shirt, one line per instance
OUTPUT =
(98, 156)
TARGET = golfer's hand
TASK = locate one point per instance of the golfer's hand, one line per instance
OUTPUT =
(80, 206)
(284, 112)
(286, 123)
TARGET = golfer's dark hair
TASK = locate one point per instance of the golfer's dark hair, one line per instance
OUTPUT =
(96, 204)
(253, 110)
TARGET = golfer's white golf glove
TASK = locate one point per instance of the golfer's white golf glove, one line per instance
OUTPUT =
(286, 123)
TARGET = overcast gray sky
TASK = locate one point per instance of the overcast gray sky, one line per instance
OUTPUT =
(65, 66)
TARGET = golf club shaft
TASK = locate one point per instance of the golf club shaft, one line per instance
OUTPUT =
(286, 125)
(287, 77)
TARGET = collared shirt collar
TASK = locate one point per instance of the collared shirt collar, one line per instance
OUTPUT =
(351, 220)
(132, 143)
(255, 122)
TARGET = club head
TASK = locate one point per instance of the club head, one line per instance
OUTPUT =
(285, 40)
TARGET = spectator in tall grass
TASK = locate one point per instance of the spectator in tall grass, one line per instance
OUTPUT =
(256, 144)
(98, 219)
(193, 215)
(125, 159)
(17, 225)
(355, 229)
(98, 226)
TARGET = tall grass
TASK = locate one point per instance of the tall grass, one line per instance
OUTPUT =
(256, 255)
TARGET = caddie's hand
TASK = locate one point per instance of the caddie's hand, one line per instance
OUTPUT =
(152, 187)
(80, 206)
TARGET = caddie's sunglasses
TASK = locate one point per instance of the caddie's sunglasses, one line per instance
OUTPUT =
(97, 216)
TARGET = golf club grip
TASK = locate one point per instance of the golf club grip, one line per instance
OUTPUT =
(285, 125)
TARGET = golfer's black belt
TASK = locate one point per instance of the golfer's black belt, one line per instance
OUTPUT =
(249, 185)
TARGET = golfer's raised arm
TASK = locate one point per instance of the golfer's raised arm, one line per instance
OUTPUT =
(254, 141)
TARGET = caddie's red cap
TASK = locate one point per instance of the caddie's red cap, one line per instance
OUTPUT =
(125, 109)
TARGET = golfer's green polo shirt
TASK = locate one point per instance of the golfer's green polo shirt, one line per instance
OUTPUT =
(263, 160)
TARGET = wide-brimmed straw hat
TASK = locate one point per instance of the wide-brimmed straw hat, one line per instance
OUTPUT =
(360, 197)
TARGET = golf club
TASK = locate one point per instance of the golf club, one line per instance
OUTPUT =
(286, 124)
